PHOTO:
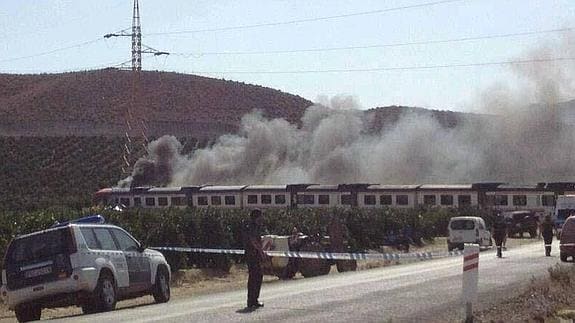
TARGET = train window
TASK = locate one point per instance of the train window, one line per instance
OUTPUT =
(385, 199)
(464, 200)
(346, 199)
(519, 200)
(266, 199)
(125, 201)
(252, 199)
(216, 200)
(501, 200)
(369, 199)
(137, 201)
(162, 201)
(402, 199)
(150, 201)
(323, 199)
(306, 199)
(177, 201)
(548, 200)
(202, 200)
(446, 199)
(429, 199)
(280, 199)
(230, 200)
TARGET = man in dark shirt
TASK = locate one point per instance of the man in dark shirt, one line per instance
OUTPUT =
(499, 232)
(254, 257)
(547, 232)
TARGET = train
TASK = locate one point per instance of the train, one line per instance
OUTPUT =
(497, 196)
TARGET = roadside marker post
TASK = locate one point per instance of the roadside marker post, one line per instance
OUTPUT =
(470, 278)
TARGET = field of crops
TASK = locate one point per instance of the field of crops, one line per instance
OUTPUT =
(55, 172)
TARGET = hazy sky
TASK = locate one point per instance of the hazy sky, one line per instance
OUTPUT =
(29, 27)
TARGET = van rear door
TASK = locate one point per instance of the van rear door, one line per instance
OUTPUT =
(39, 258)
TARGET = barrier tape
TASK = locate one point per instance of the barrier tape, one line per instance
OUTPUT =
(323, 255)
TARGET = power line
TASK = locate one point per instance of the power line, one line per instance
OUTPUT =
(424, 42)
(399, 68)
(298, 21)
(89, 42)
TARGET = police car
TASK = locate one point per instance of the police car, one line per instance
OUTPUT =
(86, 263)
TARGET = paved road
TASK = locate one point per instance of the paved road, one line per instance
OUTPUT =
(428, 290)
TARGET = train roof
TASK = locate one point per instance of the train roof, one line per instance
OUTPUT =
(379, 187)
(215, 189)
(323, 187)
(520, 187)
(452, 187)
(266, 188)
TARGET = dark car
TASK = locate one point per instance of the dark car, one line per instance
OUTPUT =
(519, 222)
(567, 246)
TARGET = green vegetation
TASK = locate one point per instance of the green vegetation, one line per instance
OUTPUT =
(222, 228)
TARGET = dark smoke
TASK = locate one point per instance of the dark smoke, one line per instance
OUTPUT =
(521, 138)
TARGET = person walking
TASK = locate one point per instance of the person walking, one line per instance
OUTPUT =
(254, 256)
(499, 233)
(547, 233)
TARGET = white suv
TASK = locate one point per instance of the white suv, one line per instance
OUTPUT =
(83, 262)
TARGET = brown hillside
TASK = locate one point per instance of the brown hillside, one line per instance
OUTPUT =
(94, 103)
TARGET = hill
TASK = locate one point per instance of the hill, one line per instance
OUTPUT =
(94, 103)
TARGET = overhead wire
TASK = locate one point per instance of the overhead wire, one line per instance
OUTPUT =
(77, 45)
(305, 20)
(400, 44)
(398, 68)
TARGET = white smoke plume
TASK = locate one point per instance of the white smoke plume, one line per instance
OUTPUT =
(521, 138)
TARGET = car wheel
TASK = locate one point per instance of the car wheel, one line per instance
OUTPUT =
(28, 312)
(563, 257)
(161, 291)
(105, 293)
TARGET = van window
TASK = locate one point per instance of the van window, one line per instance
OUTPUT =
(462, 225)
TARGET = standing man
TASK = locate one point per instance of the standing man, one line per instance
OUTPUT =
(547, 233)
(499, 232)
(254, 257)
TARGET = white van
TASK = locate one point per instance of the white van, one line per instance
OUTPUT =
(467, 229)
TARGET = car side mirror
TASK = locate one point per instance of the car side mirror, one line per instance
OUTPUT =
(141, 248)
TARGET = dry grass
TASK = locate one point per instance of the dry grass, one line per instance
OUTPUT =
(547, 299)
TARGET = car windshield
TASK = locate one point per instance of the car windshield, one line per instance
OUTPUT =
(462, 225)
(38, 247)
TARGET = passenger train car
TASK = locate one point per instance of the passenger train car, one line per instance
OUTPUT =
(496, 196)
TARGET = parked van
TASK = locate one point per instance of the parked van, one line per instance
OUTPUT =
(567, 246)
(467, 229)
(564, 207)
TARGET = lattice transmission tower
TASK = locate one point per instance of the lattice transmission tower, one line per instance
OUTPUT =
(135, 122)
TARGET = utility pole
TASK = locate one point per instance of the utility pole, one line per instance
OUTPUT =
(138, 123)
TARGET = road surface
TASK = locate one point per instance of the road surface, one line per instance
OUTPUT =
(427, 290)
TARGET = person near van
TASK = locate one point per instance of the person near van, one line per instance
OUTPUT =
(547, 232)
(254, 257)
(499, 232)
